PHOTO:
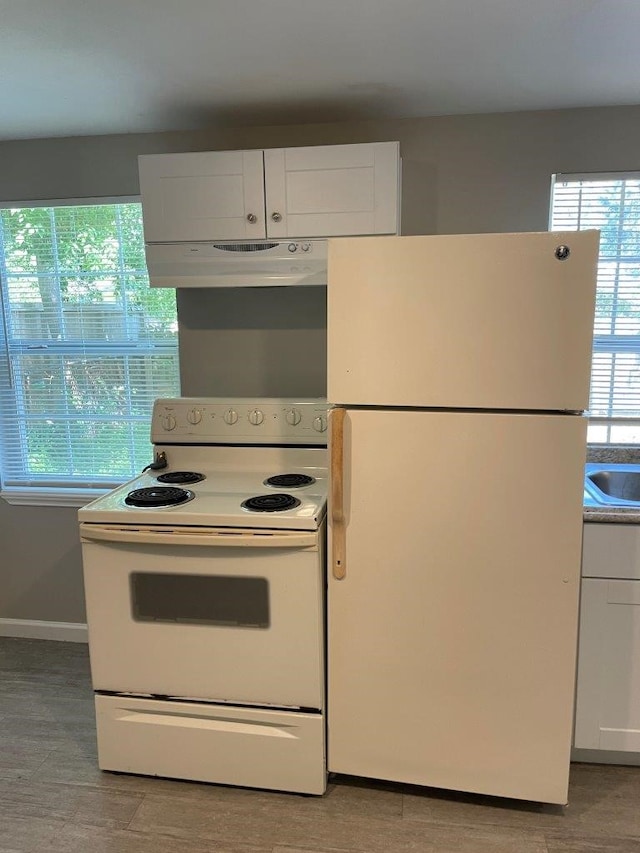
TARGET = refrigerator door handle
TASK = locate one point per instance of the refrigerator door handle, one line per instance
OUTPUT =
(338, 538)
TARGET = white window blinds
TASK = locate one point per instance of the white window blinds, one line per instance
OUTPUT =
(85, 347)
(610, 202)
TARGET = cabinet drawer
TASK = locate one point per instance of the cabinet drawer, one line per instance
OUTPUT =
(611, 551)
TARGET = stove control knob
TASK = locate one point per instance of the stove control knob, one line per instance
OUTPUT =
(293, 417)
(320, 423)
(230, 416)
(168, 422)
(256, 417)
(194, 416)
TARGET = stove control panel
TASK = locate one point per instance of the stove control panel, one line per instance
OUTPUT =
(240, 420)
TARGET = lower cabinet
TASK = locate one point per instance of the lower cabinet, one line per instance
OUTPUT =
(608, 688)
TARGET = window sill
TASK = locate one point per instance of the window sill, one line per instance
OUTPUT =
(51, 497)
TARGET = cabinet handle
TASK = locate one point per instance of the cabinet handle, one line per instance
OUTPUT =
(276, 216)
(251, 217)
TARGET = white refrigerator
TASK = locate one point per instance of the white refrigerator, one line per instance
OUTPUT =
(458, 369)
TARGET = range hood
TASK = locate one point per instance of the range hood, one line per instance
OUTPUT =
(234, 264)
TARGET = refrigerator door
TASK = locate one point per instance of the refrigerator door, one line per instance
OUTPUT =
(489, 321)
(453, 628)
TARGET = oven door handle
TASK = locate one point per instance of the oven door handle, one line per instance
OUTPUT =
(206, 536)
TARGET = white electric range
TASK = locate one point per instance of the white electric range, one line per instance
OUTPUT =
(205, 588)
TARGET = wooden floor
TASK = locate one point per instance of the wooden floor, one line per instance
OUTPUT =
(54, 798)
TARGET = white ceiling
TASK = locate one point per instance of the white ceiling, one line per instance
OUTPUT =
(76, 67)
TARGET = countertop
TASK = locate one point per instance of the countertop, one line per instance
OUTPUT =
(611, 514)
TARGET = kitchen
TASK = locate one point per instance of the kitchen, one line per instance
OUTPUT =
(464, 174)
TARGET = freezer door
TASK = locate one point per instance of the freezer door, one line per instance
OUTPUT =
(489, 321)
(452, 631)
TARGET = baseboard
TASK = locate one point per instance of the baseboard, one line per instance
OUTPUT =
(604, 756)
(70, 632)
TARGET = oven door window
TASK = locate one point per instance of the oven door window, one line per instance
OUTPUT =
(200, 599)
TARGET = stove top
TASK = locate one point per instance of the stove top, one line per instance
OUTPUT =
(228, 462)
(288, 483)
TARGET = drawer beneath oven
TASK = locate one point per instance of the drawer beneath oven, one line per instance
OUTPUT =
(256, 748)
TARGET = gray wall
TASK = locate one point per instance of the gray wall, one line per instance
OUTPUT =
(461, 174)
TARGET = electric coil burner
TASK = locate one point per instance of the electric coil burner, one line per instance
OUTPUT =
(271, 503)
(181, 477)
(290, 481)
(158, 496)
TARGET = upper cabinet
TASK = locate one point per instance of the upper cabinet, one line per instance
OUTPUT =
(332, 190)
(320, 191)
(204, 196)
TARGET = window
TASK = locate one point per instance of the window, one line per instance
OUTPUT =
(611, 203)
(85, 347)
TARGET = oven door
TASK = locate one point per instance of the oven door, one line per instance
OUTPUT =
(205, 613)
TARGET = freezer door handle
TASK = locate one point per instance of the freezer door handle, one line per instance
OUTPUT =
(338, 532)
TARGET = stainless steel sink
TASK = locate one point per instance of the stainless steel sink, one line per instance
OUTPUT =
(623, 485)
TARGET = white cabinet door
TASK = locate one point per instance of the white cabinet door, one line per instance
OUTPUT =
(332, 190)
(608, 695)
(212, 195)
